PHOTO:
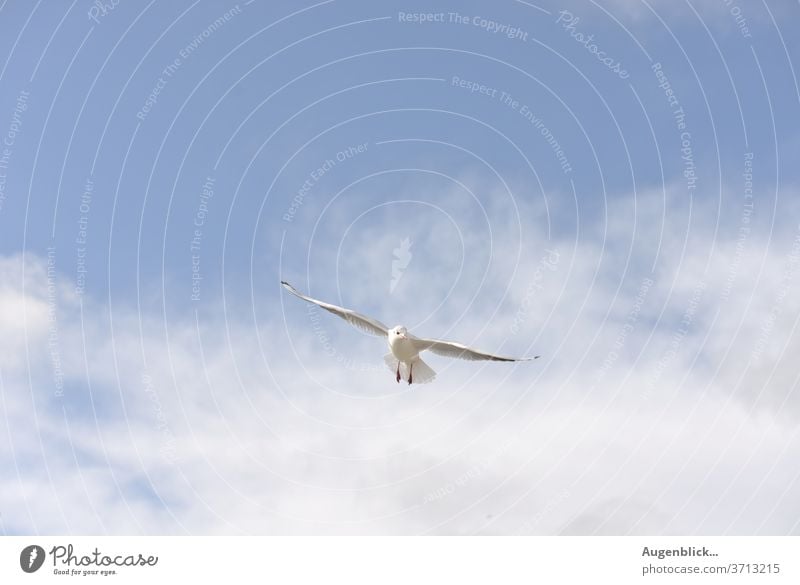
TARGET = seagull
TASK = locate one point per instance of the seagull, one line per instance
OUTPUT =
(404, 347)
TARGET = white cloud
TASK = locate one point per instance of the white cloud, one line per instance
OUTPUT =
(655, 428)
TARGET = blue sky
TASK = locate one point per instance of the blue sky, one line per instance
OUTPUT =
(609, 184)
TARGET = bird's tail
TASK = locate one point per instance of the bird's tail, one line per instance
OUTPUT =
(391, 363)
(421, 373)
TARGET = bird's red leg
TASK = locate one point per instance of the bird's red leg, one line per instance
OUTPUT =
(410, 371)
(398, 372)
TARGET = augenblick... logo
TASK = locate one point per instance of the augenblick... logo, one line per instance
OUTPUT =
(65, 557)
(684, 551)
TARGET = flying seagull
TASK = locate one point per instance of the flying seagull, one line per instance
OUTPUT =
(404, 347)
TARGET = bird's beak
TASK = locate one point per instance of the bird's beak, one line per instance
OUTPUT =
(403, 336)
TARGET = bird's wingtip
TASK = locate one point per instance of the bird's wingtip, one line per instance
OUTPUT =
(289, 287)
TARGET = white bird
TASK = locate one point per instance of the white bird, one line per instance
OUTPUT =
(404, 347)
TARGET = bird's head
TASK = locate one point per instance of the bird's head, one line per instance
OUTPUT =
(399, 332)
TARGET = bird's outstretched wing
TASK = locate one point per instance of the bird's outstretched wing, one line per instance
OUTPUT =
(459, 350)
(365, 324)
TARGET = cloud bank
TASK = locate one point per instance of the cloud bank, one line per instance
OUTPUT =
(665, 401)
